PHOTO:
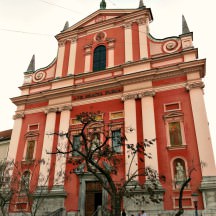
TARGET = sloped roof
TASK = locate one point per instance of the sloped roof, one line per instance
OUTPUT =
(5, 135)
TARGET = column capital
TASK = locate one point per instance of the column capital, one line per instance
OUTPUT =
(73, 39)
(150, 93)
(65, 108)
(51, 110)
(88, 49)
(127, 25)
(129, 97)
(61, 43)
(18, 115)
(194, 85)
(141, 21)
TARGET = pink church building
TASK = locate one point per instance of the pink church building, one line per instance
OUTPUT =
(110, 62)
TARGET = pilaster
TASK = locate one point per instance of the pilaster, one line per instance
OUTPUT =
(149, 133)
(130, 130)
(201, 128)
(88, 50)
(128, 42)
(13, 147)
(62, 145)
(72, 55)
(60, 59)
(143, 40)
(47, 145)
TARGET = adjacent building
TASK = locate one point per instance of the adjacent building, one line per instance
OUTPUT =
(150, 88)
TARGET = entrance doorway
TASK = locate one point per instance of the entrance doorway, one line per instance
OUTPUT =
(93, 197)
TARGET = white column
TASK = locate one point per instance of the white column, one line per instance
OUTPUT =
(72, 55)
(202, 128)
(149, 132)
(60, 59)
(143, 39)
(46, 167)
(128, 43)
(131, 133)
(87, 58)
(15, 137)
(62, 145)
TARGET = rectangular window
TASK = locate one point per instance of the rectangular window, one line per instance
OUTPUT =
(76, 144)
(33, 127)
(172, 107)
(116, 140)
(175, 134)
(30, 150)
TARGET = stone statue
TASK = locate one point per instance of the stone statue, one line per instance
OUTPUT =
(180, 173)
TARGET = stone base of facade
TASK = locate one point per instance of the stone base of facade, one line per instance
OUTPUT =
(50, 201)
(140, 200)
(208, 188)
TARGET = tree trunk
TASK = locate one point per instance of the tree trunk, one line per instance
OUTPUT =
(3, 211)
(116, 205)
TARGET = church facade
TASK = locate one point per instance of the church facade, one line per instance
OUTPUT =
(151, 88)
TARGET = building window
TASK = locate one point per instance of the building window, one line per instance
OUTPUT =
(116, 140)
(174, 123)
(30, 150)
(76, 144)
(99, 59)
(175, 134)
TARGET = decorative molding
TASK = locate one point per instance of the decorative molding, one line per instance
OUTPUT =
(141, 21)
(88, 48)
(100, 36)
(39, 76)
(111, 43)
(31, 134)
(64, 108)
(73, 39)
(173, 114)
(51, 110)
(61, 43)
(127, 25)
(129, 97)
(147, 94)
(194, 85)
(171, 46)
(18, 115)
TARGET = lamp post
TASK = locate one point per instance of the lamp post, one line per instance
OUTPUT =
(195, 201)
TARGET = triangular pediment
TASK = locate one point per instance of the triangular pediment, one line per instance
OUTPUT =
(100, 16)
(173, 114)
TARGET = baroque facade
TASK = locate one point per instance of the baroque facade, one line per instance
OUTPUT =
(110, 62)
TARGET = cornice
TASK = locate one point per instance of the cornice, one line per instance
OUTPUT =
(113, 82)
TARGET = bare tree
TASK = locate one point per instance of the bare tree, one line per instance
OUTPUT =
(6, 191)
(30, 188)
(95, 154)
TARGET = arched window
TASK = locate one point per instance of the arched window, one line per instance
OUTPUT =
(99, 60)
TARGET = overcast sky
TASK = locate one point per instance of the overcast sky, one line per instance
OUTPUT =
(28, 27)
